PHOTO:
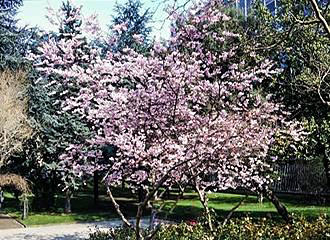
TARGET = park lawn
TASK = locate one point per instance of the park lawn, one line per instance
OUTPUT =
(222, 203)
(36, 219)
(83, 209)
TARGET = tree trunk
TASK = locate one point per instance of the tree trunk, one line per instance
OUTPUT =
(152, 219)
(141, 194)
(1, 198)
(321, 148)
(53, 190)
(68, 195)
(233, 209)
(281, 209)
(25, 208)
(16, 194)
(96, 188)
(45, 196)
(117, 208)
(204, 200)
(326, 164)
(138, 221)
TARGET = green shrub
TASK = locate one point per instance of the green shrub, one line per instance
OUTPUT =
(119, 233)
(266, 229)
(184, 231)
(236, 229)
(100, 235)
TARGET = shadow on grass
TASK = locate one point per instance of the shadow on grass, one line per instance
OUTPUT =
(299, 200)
(183, 213)
(192, 209)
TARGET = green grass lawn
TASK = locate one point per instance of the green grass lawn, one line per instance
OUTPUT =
(83, 209)
(222, 203)
(36, 219)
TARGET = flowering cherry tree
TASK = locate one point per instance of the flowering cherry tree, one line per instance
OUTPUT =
(189, 112)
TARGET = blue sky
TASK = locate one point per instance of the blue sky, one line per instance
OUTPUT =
(33, 13)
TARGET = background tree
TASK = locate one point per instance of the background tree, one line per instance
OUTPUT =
(14, 126)
(15, 129)
(15, 41)
(8, 10)
(130, 26)
(56, 131)
(297, 39)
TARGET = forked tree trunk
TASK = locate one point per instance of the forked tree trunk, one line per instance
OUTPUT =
(142, 205)
(204, 200)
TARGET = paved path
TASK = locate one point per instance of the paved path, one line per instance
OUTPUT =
(59, 232)
(7, 222)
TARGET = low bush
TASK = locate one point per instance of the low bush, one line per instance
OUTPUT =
(236, 229)
(119, 233)
(248, 228)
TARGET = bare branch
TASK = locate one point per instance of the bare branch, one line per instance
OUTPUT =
(319, 87)
(14, 126)
(319, 16)
(308, 22)
(116, 205)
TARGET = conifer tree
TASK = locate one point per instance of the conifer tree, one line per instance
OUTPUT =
(130, 25)
(14, 41)
(57, 131)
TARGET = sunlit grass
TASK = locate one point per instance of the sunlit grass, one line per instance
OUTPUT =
(222, 203)
(61, 218)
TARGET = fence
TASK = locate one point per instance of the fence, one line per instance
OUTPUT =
(299, 178)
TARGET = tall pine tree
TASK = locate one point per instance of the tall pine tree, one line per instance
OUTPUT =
(15, 41)
(136, 32)
(57, 131)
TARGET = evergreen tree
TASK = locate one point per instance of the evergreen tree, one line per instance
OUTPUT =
(134, 22)
(57, 130)
(8, 10)
(15, 42)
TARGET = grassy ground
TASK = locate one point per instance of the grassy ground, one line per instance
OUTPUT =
(190, 207)
(83, 209)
